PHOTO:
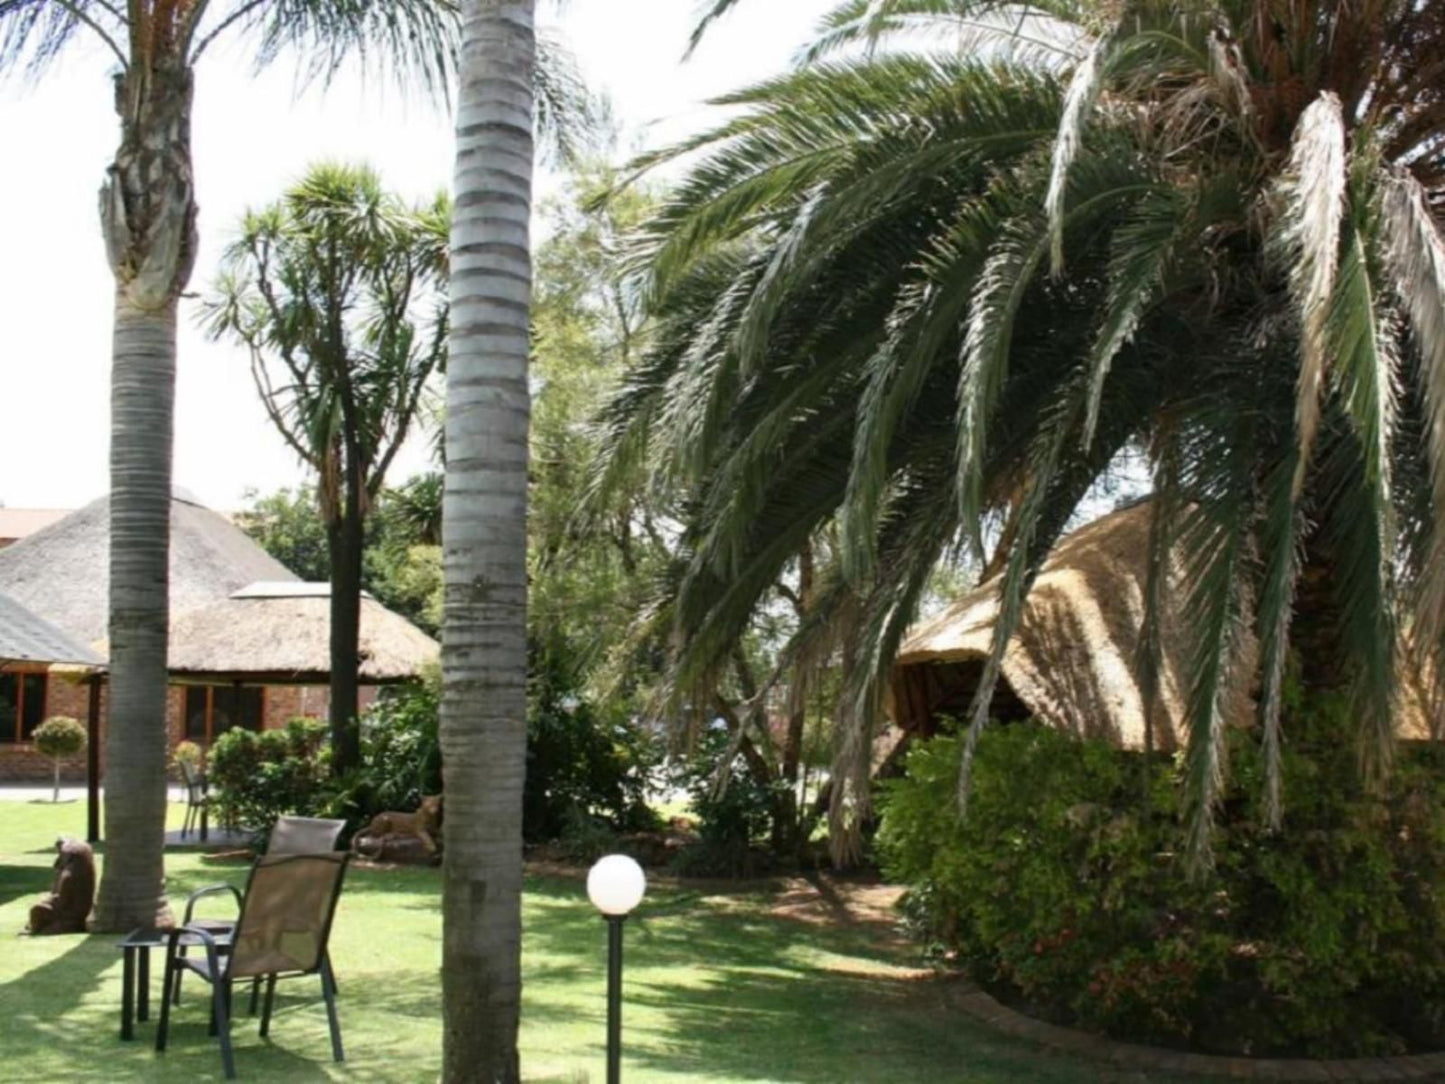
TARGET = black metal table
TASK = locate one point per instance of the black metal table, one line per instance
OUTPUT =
(135, 992)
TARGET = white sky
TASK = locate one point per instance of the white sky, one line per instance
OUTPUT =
(252, 137)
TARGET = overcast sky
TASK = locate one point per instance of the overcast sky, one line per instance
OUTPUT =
(252, 137)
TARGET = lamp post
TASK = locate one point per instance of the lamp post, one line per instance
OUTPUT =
(615, 886)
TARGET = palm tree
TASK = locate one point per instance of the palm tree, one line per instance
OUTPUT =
(338, 293)
(932, 295)
(148, 217)
(484, 531)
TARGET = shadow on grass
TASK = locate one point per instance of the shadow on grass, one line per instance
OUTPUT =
(18, 881)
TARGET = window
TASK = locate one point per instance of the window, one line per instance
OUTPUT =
(22, 705)
(211, 710)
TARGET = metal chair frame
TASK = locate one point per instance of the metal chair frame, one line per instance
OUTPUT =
(217, 970)
(221, 929)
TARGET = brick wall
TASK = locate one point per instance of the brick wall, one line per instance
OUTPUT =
(20, 763)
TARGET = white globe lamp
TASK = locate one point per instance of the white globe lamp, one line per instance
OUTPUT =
(615, 885)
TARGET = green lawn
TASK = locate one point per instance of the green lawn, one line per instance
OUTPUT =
(718, 989)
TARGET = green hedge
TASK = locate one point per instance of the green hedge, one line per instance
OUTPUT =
(1068, 898)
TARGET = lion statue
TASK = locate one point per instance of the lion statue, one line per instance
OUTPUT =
(391, 830)
(67, 905)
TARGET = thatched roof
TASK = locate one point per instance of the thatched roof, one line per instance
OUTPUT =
(1071, 664)
(281, 634)
(237, 614)
(63, 571)
(24, 637)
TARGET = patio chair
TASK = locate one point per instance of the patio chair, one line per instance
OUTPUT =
(282, 933)
(289, 835)
(198, 800)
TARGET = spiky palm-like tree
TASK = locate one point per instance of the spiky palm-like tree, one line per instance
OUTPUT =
(338, 293)
(932, 295)
(148, 218)
(484, 538)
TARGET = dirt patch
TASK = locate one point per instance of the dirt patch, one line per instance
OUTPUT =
(822, 899)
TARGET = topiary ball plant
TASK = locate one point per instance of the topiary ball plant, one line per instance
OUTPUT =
(59, 737)
(188, 753)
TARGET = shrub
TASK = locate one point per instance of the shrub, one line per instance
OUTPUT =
(59, 737)
(188, 753)
(1327, 939)
(400, 755)
(732, 826)
(257, 777)
(583, 761)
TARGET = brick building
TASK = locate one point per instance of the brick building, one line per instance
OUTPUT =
(249, 640)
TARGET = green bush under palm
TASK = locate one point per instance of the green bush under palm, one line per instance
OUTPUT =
(1069, 895)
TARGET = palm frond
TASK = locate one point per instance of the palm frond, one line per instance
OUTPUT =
(1312, 198)
(1414, 254)
(34, 33)
(413, 40)
(1084, 89)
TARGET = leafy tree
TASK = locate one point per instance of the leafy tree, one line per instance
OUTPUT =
(59, 737)
(286, 526)
(148, 220)
(932, 297)
(337, 292)
(484, 643)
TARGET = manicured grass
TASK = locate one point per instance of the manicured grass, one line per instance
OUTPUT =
(719, 988)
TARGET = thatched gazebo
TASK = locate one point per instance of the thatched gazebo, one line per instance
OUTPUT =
(1071, 663)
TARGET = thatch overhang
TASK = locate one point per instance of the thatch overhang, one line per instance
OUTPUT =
(280, 634)
(27, 638)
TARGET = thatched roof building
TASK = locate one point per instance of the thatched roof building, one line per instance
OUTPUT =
(1071, 664)
(27, 638)
(237, 614)
(63, 571)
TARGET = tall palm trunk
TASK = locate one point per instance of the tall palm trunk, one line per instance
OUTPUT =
(484, 652)
(347, 538)
(148, 216)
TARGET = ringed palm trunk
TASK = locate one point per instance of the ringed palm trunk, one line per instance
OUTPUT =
(148, 219)
(484, 640)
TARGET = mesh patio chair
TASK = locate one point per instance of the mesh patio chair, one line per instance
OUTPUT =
(198, 800)
(282, 933)
(289, 835)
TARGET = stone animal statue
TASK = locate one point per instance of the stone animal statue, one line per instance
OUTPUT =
(67, 905)
(424, 824)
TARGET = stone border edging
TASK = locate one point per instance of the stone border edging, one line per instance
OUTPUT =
(983, 1007)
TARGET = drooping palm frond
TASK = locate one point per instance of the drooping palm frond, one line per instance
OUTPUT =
(1414, 253)
(851, 274)
(34, 33)
(1312, 194)
(414, 40)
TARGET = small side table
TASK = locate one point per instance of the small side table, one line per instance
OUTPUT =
(135, 991)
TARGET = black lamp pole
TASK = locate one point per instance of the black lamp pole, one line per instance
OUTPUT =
(614, 998)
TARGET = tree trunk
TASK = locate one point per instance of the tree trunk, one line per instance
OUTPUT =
(55, 790)
(346, 539)
(148, 216)
(484, 654)
(787, 824)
